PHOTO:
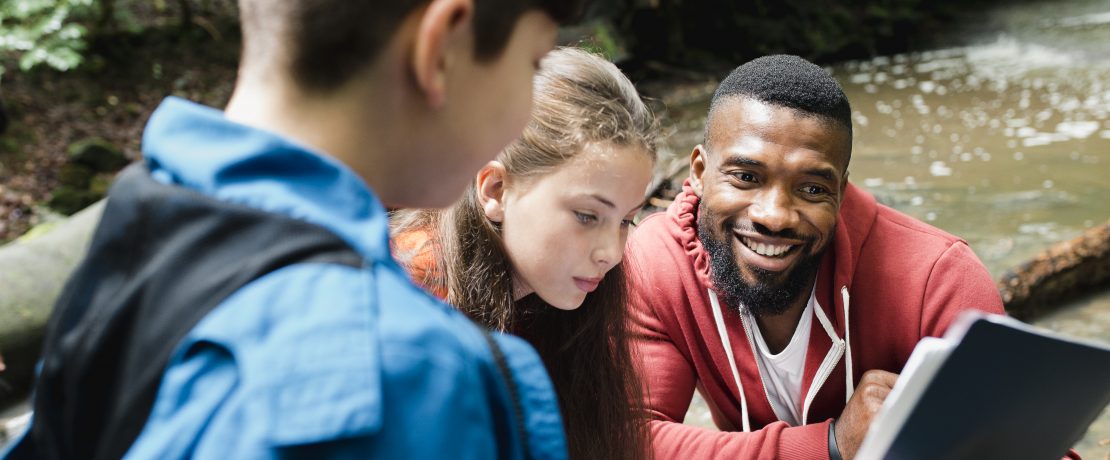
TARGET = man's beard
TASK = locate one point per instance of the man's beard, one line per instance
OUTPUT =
(765, 296)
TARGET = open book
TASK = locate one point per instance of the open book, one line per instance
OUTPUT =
(993, 387)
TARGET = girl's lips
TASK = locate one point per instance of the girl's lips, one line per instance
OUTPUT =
(587, 284)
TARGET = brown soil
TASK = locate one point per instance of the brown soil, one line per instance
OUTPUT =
(124, 78)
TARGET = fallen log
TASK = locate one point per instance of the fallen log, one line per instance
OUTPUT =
(33, 270)
(1058, 274)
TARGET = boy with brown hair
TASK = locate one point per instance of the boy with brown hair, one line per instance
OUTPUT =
(239, 299)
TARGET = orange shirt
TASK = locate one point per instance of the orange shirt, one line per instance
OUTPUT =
(415, 251)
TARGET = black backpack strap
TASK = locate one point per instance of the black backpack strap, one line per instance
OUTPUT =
(162, 258)
(514, 392)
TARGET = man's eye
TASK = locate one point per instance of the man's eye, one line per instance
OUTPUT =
(815, 190)
(584, 218)
(745, 177)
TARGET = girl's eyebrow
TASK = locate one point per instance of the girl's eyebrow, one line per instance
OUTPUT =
(610, 204)
(602, 200)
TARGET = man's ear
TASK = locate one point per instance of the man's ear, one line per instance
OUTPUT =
(491, 190)
(697, 168)
(440, 25)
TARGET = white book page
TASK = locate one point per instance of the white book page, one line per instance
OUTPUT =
(923, 363)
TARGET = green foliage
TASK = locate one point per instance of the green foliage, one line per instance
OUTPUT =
(44, 32)
(604, 40)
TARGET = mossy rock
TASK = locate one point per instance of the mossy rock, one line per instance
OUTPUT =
(97, 154)
(67, 200)
(76, 176)
(101, 183)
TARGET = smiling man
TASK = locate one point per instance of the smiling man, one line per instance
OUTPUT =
(788, 297)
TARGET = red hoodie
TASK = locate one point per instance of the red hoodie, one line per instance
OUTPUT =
(891, 278)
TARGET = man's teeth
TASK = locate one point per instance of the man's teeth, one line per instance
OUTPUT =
(769, 250)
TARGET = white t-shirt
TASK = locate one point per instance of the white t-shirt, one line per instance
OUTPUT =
(782, 372)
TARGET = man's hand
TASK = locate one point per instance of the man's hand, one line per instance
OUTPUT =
(865, 403)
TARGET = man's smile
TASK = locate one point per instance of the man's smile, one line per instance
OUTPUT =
(770, 254)
(765, 249)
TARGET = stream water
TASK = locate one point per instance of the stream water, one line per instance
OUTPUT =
(1004, 140)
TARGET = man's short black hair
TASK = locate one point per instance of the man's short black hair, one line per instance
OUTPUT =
(787, 81)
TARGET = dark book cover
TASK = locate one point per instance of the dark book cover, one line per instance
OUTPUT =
(1006, 390)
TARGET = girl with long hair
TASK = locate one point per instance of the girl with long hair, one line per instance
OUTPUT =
(534, 246)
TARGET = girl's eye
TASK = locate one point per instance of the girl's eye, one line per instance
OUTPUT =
(627, 223)
(584, 218)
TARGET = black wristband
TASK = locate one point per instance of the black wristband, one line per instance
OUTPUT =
(834, 451)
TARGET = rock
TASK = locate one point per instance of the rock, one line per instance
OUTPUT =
(86, 176)
(68, 200)
(97, 154)
(33, 270)
(12, 427)
(80, 186)
(75, 175)
(101, 183)
(1058, 273)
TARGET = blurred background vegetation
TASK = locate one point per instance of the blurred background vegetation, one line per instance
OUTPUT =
(690, 31)
(57, 33)
(80, 74)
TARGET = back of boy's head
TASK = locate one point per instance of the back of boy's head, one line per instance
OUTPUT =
(579, 99)
(322, 44)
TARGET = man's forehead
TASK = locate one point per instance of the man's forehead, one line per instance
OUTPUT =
(737, 119)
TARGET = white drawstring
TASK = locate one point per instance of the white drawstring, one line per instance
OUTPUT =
(719, 318)
(849, 380)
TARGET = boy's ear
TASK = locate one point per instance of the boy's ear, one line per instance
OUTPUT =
(491, 190)
(439, 27)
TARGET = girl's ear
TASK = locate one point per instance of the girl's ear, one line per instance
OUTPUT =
(491, 190)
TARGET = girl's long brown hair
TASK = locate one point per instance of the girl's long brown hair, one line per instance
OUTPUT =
(579, 99)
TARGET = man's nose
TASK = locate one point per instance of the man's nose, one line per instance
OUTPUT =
(774, 210)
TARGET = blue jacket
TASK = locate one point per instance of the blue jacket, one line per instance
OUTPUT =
(324, 360)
